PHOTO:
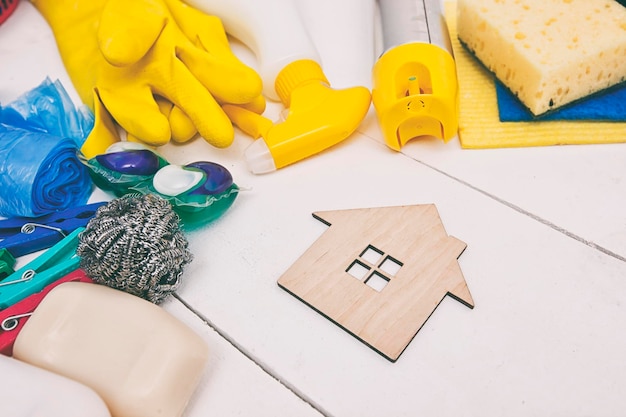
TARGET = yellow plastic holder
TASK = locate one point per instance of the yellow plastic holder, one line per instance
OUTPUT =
(415, 93)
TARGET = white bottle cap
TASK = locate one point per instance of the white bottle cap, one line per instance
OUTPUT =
(259, 158)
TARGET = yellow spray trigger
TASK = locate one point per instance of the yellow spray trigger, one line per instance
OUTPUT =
(415, 93)
(319, 117)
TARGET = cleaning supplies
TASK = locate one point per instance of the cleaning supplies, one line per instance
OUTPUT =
(480, 127)
(141, 360)
(547, 52)
(199, 192)
(120, 55)
(415, 90)
(289, 65)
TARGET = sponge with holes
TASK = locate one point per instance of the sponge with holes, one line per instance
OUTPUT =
(549, 53)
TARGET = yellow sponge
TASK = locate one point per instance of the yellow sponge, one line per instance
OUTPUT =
(479, 123)
(548, 52)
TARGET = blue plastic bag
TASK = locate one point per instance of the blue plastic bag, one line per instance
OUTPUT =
(48, 108)
(40, 173)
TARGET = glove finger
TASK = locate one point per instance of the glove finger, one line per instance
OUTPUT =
(195, 101)
(211, 37)
(197, 25)
(229, 80)
(210, 58)
(104, 132)
(181, 126)
(183, 129)
(128, 30)
(257, 105)
(136, 111)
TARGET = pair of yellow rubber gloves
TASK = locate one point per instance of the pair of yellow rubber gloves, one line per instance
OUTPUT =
(158, 68)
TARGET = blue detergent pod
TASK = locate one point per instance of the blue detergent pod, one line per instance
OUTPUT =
(200, 192)
(124, 165)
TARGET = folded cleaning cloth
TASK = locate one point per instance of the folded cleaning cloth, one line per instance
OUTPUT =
(608, 105)
(39, 173)
(479, 120)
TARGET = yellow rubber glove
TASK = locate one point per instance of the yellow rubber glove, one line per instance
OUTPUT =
(182, 127)
(124, 55)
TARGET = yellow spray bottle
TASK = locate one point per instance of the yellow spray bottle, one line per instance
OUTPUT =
(319, 116)
(415, 90)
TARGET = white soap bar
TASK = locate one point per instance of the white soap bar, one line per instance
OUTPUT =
(141, 360)
(29, 391)
(547, 52)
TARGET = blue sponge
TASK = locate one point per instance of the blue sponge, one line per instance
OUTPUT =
(607, 106)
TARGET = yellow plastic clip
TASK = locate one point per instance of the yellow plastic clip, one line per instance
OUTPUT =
(415, 93)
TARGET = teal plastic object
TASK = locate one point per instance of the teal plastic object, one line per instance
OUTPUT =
(6, 263)
(53, 264)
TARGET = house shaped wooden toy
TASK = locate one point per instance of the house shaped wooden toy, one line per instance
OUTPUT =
(379, 273)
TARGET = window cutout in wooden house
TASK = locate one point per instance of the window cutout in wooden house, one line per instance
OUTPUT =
(377, 281)
(390, 266)
(374, 268)
(358, 270)
(372, 255)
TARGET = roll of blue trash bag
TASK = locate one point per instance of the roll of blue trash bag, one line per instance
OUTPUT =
(48, 108)
(39, 173)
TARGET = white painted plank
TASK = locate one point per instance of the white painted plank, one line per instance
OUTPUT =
(579, 188)
(232, 384)
(544, 336)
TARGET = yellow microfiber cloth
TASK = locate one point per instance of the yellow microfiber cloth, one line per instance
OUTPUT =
(479, 122)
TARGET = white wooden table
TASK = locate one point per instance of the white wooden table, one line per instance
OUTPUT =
(545, 262)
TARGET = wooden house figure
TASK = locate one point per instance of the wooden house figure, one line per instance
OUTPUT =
(379, 273)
